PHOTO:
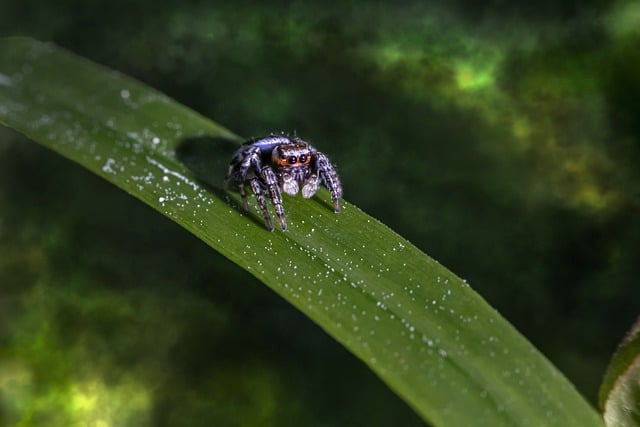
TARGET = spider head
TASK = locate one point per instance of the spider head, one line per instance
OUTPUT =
(291, 155)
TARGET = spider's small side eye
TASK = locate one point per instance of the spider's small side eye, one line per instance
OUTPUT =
(292, 160)
(283, 157)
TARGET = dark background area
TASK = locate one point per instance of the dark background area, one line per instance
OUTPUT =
(501, 138)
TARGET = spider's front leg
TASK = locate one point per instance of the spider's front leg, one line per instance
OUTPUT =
(329, 178)
(269, 182)
(256, 187)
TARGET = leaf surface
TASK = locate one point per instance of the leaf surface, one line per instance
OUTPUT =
(423, 330)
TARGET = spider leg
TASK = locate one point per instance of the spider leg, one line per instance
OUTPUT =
(243, 163)
(271, 181)
(243, 194)
(256, 187)
(329, 178)
(232, 177)
(244, 166)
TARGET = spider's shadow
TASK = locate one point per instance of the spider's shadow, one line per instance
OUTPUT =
(208, 158)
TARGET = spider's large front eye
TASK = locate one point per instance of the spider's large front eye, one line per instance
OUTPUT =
(292, 160)
(303, 158)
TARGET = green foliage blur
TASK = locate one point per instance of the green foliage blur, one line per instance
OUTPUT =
(501, 138)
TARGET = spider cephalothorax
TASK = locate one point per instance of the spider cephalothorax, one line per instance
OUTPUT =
(278, 163)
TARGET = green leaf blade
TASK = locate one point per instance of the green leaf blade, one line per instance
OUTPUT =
(620, 390)
(423, 330)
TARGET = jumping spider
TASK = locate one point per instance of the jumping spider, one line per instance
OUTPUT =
(279, 163)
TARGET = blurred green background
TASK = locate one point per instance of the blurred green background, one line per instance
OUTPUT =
(502, 138)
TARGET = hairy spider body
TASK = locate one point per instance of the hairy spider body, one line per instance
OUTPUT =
(274, 164)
